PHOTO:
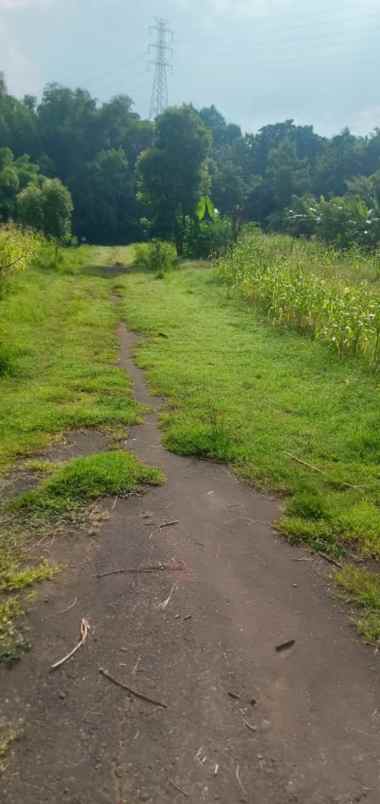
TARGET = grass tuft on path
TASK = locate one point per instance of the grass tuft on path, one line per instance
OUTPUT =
(8, 735)
(85, 479)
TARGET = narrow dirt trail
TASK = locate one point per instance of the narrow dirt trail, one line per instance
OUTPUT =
(243, 721)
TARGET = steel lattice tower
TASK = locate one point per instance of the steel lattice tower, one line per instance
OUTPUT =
(161, 63)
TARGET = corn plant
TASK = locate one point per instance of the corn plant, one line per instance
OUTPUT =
(302, 287)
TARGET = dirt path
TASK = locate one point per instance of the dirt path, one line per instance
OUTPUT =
(243, 722)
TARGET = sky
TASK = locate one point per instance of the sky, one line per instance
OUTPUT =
(258, 61)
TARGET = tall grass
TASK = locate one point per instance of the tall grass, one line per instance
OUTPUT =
(310, 288)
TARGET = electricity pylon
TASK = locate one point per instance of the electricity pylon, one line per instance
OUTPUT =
(161, 63)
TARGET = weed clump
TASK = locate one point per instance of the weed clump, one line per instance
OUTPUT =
(157, 257)
(12, 642)
(8, 735)
(84, 479)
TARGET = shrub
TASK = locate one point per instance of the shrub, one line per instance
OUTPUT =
(342, 222)
(52, 257)
(47, 208)
(207, 239)
(156, 256)
(17, 248)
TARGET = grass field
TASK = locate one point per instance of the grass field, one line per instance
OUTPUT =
(266, 400)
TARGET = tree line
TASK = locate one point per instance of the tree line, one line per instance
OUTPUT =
(130, 179)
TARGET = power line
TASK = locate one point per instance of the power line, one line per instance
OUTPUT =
(163, 52)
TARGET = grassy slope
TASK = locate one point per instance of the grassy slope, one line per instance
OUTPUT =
(244, 392)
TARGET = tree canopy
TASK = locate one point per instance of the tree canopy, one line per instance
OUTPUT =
(127, 175)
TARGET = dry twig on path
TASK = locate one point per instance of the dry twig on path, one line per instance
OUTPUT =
(180, 790)
(239, 781)
(71, 606)
(249, 726)
(166, 602)
(84, 629)
(142, 570)
(169, 524)
(131, 691)
(330, 560)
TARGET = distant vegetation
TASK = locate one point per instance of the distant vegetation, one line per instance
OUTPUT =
(131, 179)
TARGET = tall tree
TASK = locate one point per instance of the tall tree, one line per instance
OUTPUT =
(106, 207)
(171, 171)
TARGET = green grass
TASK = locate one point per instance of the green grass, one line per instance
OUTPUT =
(109, 255)
(85, 479)
(362, 588)
(58, 333)
(243, 392)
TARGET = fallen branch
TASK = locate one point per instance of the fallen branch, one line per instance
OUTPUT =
(71, 606)
(138, 570)
(131, 691)
(180, 790)
(169, 524)
(84, 629)
(239, 781)
(330, 560)
(249, 726)
(321, 472)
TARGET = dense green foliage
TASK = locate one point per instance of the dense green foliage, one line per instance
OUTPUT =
(47, 208)
(31, 199)
(130, 178)
(171, 171)
(92, 149)
(343, 221)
